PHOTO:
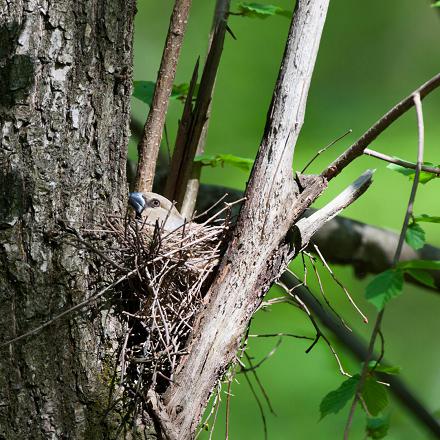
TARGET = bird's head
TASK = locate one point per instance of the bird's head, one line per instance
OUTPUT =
(154, 207)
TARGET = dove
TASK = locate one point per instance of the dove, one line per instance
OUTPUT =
(152, 208)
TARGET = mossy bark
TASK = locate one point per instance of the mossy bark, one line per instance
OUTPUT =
(65, 86)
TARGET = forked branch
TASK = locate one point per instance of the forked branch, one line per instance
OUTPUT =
(256, 254)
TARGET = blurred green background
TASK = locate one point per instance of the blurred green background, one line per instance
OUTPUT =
(372, 54)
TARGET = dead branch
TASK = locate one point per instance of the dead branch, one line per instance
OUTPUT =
(189, 139)
(193, 185)
(148, 148)
(382, 124)
(255, 255)
(306, 227)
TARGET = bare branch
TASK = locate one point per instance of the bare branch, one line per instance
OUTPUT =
(308, 226)
(359, 146)
(148, 148)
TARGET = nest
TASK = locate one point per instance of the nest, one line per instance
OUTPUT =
(167, 275)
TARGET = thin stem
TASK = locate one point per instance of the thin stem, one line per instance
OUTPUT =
(376, 330)
(322, 150)
(403, 163)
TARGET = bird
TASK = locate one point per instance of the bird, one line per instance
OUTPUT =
(152, 208)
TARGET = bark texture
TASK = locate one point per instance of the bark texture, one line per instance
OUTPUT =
(256, 254)
(65, 86)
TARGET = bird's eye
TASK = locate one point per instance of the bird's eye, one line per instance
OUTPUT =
(155, 203)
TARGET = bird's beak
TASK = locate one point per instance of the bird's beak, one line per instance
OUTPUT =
(137, 202)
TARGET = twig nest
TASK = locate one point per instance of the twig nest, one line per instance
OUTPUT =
(167, 273)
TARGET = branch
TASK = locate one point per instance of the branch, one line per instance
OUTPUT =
(256, 254)
(358, 348)
(371, 134)
(148, 148)
(402, 163)
(193, 185)
(308, 226)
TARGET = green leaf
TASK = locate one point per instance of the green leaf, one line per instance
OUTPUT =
(334, 401)
(375, 396)
(258, 10)
(243, 163)
(377, 427)
(436, 5)
(419, 264)
(388, 369)
(384, 286)
(427, 219)
(422, 277)
(410, 173)
(144, 90)
(415, 236)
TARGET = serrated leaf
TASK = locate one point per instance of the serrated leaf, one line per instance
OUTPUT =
(415, 236)
(388, 369)
(143, 90)
(259, 10)
(375, 396)
(419, 264)
(426, 218)
(334, 401)
(424, 177)
(384, 287)
(243, 163)
(377, 427)
(422, 277)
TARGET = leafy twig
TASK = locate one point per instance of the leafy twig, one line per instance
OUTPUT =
(365, 369)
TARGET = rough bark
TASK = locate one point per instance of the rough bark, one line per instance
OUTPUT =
(65, 86)
(256, 254)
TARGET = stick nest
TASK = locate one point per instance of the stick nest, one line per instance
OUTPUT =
(167, 275)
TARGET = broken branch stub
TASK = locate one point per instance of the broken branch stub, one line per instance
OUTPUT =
(257, 252)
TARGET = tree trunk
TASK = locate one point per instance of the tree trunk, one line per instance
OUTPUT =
(65, 86)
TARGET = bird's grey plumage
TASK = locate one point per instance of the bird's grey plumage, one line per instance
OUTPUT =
(152, 208)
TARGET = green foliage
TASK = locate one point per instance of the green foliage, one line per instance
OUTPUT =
(410, 173)
(384, 287)
(377, 427)
(243, 163)
(258, 10)
(422, 277)
(426, 218)
(415, 236)
(144, 90)
(374, 395)
(334, 401)
(419, 264)
(436, 4)
(388, 369)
